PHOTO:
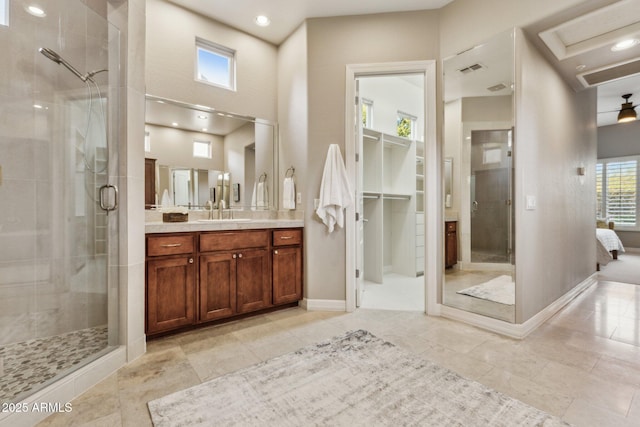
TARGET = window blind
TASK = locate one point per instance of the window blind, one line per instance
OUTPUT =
(621, 189)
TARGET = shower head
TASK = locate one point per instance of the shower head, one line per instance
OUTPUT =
(53, 55)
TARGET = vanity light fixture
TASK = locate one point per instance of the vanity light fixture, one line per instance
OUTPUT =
(36, 11)
(624, 44)
(262, 20)
(627, 110)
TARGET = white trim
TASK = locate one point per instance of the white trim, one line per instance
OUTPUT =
(67, 388)
(433, 203)
(513, 330)
(323, 305)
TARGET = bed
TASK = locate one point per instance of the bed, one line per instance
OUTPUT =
(608, 243)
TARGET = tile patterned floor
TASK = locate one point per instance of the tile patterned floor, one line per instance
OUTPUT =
(28, 365)
(582, 365)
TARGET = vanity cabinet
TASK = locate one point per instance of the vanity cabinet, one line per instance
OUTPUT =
(234, 273)
(199, 277)
(287, 266)
(450, 244)
(171, 282)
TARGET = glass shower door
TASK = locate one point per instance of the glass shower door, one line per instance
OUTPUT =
(491, 196)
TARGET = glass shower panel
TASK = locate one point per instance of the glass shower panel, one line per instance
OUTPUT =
(58, 103)
(490, 196)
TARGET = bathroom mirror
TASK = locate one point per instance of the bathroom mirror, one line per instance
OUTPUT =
(205, 154)
(448, 181)
(478, 192)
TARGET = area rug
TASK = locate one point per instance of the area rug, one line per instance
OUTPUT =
(625, 269)
(353, 379)
(500, 289)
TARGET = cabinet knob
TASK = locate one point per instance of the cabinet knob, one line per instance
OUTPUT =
(275, 252)
(190, 260)
(239, 255)
(234, 256)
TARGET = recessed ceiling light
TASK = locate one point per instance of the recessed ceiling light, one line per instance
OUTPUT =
(262, 20)
(36, 11)
(37, 106)
(174, 124)
(625, 44)
(204, 129)
(202, 116)
(581, 67)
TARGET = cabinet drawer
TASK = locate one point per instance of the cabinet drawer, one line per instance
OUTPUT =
(233, 240)
(287, 237)
(170, 245)
(450, 226)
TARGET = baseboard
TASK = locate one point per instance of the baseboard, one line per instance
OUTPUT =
(323, 305)
(513, 330)
(62, 392)
(632, 250)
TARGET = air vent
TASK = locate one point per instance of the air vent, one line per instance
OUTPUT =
(609, 73)
(471, 68)
(497, 88)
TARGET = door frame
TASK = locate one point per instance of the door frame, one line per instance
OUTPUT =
(433, 209)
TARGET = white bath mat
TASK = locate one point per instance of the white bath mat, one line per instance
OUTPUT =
(500, 289)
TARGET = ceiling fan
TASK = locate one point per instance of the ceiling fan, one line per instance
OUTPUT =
(627, 112)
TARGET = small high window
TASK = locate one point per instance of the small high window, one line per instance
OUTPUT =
(367, 113)
(406, 125)
(4, 12)
(215, 64)
(202, 149)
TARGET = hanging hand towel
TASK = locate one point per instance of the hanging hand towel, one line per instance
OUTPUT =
(335, 193)
(288, 194)
(262, 197)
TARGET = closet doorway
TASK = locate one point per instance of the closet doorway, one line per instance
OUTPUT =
(389, 122)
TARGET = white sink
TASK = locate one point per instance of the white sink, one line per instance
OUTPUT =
(226, 220)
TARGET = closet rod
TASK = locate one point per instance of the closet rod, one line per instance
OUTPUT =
(375, 138)
(396, 197)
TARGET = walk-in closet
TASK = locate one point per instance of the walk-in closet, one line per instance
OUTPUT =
(392, 190)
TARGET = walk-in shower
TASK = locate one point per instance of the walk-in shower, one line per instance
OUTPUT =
(58, 170)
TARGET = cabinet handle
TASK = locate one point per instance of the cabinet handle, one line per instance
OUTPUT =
(171, 245)
(190, 260)
(286, 237)
(275, 252)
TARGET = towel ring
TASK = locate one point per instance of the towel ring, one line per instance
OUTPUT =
(292, 170)
(263, 177)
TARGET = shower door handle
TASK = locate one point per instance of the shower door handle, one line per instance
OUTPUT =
(475, 206)
(104, 201)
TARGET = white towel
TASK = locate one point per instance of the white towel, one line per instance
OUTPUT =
(288, 194)
(335, 192)
(262, 196)
(166, 199)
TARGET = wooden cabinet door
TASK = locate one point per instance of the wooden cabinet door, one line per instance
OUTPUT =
(217, 286)
(170, 293)
(451, 244)
(253, 280)
(287, 275)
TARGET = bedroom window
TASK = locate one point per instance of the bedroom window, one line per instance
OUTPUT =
(617, 190)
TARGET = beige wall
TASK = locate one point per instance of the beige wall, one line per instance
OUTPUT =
(555, 133)
(170, 62)
(333, 43)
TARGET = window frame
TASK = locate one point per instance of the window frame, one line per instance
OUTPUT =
(401, 115)
(367, 108)
(601, 196)
(4, 13)
(202, 142)
(221, 51)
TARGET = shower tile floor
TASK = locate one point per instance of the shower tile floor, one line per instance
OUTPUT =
(26, 366)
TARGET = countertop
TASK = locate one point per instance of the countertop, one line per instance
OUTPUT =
(185, 227)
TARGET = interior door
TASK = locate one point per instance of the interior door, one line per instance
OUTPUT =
(359, 199)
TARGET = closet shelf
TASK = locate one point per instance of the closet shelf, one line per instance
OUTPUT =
(391, 196)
